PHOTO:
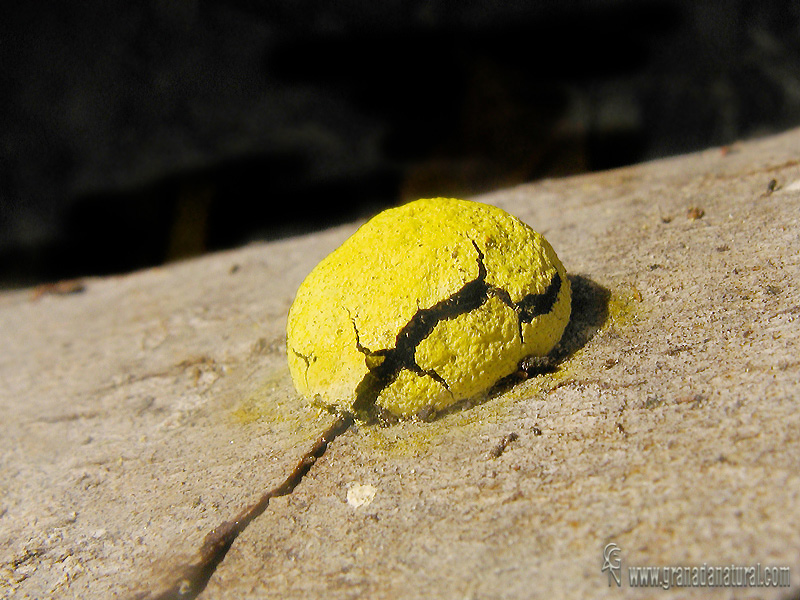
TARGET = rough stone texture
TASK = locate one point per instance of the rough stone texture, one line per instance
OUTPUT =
(128, 426)
(144, 411)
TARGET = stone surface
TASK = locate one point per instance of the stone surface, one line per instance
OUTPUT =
(144, 411)
(128, 426)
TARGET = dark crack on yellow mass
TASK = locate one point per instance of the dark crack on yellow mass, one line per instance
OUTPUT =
(385, 365)
(306, 359)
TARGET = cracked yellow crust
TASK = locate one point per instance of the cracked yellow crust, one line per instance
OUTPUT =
(425, 305)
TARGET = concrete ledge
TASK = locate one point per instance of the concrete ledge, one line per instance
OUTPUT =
(145, 410)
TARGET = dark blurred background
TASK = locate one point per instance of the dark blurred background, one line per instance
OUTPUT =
(135, 133)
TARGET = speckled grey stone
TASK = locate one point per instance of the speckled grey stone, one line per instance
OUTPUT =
(144, 411)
